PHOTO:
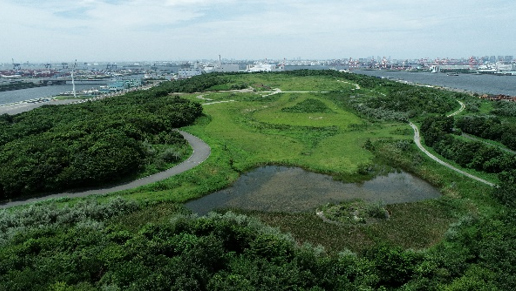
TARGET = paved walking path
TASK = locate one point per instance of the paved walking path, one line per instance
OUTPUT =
(201, 151)
(417, 140)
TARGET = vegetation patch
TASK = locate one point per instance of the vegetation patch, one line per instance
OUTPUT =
(55, 148)
(353, 212)
(410, 225)
(308, 106)
(18, 85)
(461, 241)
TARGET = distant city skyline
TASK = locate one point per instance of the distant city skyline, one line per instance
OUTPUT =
(485, 59)
(151, 30)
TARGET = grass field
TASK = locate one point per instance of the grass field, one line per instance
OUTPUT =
(291, 83)
(251, 128)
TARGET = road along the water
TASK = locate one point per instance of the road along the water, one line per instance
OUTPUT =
(201, 152)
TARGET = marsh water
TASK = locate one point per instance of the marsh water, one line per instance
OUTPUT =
(290, 189)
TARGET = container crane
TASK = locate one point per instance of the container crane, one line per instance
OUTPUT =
(16, 66)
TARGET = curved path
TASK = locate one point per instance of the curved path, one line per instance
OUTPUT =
(462, 107)
(417, 140)
(201, 151)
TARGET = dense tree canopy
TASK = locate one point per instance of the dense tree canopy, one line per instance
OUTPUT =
(437, 131)
(489, 127)
(86, 247)
(53, 148)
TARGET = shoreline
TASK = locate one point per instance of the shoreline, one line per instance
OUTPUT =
(29, 104)
(471, 84)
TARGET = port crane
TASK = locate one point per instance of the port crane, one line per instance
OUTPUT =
(16, 66)
(472, 63)
(110, 67)
(73, 80)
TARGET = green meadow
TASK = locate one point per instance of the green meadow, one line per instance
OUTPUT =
(307, 124)
(313, 129)
(352, 127)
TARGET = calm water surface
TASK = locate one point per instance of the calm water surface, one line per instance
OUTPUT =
(7, 97)
(287, 189)
(490, 84)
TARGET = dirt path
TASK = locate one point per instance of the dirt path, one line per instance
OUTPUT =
(462, 107)
(201, 151)
(357, 87)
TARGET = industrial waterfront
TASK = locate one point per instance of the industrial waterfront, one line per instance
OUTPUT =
(484, 83)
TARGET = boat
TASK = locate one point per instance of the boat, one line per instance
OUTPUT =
(11, 76)
(452, 74)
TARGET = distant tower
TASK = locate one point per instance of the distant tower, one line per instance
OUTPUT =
(73, 81)
(16, 66)
(220, 61)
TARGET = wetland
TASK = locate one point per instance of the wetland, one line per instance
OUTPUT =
(292, 189)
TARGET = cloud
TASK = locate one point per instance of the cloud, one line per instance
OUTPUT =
(184, 29)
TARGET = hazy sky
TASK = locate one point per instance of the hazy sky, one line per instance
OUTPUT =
(149, 30)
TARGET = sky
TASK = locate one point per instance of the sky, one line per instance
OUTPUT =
(168, 30)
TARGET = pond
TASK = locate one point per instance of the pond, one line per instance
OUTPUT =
(291, 189)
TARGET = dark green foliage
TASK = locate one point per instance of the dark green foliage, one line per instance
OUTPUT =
(469, 154)
(308, 106)
(54, 148)
(45, 247)
(18, 86)
(436, 127)
(484, 126)
(414, 100)
(479, 251)
(210, 253)
(395, 266)
(401, 103)
(196, 83)
(239, 86)
(505, 193)
(489, 127)
(503, 108)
